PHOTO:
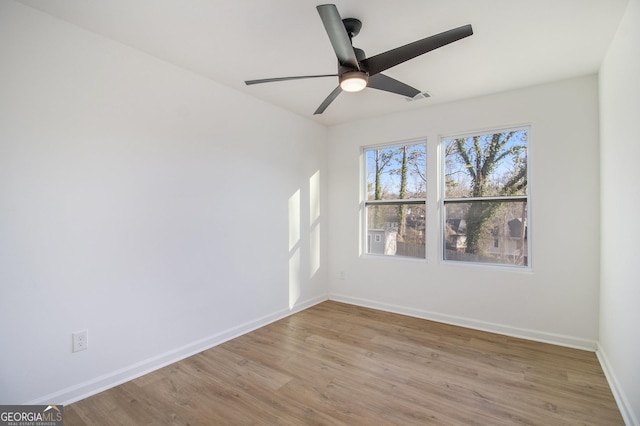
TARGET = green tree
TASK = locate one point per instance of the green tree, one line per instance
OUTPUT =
(383, 158)
(480, 157)
(411, 159)
(402, 209)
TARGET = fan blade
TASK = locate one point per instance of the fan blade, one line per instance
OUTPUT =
(328, 100)
(391, 58)
(338, 35)
(388, 84)
(300, 77)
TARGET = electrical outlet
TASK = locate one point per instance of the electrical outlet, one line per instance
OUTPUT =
(80, 341)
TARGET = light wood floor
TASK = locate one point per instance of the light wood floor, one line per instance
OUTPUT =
(341, 364)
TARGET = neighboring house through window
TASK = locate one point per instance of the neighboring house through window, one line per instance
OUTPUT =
(395, 201)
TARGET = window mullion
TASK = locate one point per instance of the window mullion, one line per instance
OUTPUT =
(498, 198)
(395, 202)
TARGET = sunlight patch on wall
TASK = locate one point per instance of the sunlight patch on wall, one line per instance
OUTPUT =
(315, 250)
(294, 249)
(294, 278)
(314, 198)
(294, 220)
(314, 220)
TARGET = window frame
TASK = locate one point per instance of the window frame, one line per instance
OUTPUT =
(443, 200)
(365, 202)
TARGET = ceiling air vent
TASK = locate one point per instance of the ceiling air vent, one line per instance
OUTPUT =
(422, 95)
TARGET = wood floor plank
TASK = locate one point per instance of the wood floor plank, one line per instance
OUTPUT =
(339, 364)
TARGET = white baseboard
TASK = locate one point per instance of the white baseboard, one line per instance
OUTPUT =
(624, 406)
(538, 336)
(101, 383)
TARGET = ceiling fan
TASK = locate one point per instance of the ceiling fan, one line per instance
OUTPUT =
(355, 70)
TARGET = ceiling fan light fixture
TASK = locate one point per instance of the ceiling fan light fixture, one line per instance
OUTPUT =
(353, 81)
(354, 68)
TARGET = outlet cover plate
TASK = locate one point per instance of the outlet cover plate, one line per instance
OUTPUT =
(80, 341)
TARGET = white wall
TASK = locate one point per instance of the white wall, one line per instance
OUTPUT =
(619, 348)
(144, 203)
(558, 300)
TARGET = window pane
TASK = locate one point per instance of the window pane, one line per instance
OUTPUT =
(396, 173)
(396, 230)
(488, 165)
(487, 232)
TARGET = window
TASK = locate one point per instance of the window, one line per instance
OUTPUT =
(486, 198)
(394, 207)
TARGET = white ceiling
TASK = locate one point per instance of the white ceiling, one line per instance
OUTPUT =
(516, 43)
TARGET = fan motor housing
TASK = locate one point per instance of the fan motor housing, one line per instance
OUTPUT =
(353, 26)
